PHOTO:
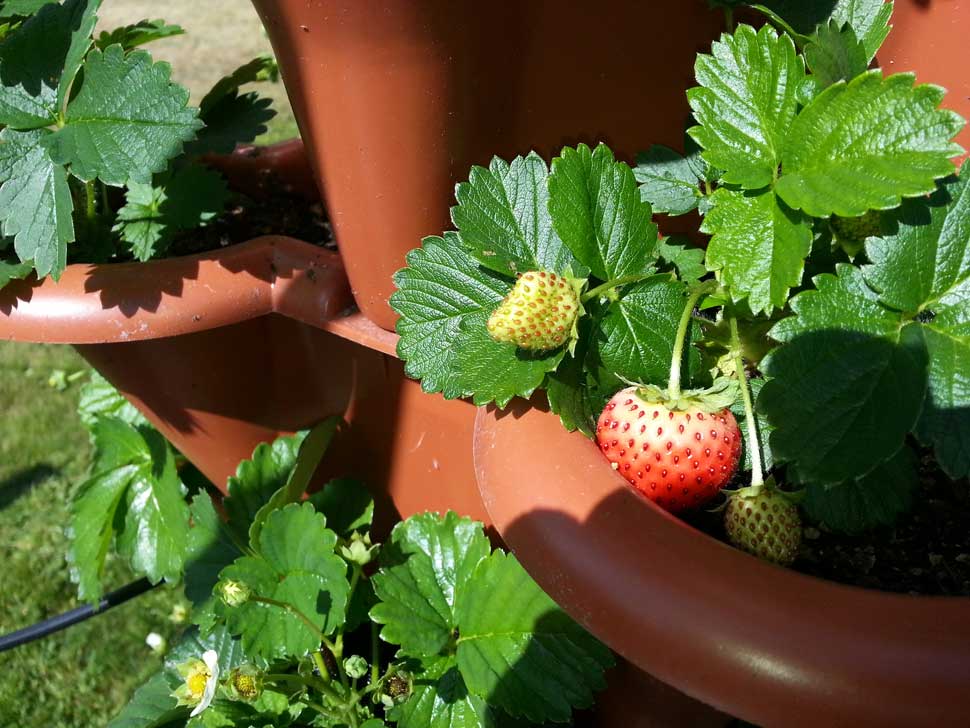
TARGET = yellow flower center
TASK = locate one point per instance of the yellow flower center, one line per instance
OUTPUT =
(245, 685)
(196, 682)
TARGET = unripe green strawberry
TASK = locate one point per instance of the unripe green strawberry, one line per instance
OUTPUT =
(539, 313)
(763, 522)
(856, 228)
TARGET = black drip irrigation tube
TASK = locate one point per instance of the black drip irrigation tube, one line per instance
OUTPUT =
(63, 621)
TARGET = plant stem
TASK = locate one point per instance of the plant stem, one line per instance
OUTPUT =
(321, 665)
(616, 282)
(673, 385)
(375, 653)
(90, 197)
(757, 475)
(104, 199)
(729, 19)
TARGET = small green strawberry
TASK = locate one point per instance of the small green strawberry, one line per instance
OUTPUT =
(851, 232)
(763, 521)
(540, 312)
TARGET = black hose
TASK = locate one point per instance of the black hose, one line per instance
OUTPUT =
(63, 621)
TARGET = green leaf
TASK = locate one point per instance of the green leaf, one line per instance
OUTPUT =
(924, 267)
(566, 388)
(156, 526)
(209, 549)
(835, 54)
(137, 34)
(152, 706)
(127, 121)
(520, 651)
(10, 271)
(428, 562)
(193, 644)
(35, 201)
(39, 60)
(759, 246)
(745, 103)
(21, 8)
(440, 699)
(866, 145)
(99, 398)
(876, 499)
(184, 200)
(312, 449)
(295, 564)
(667, 181)
(503, 217)
(868, 18)
(678, 252)
(347, 505)
(260, 68)
(444, 300)
(597, 212)
(635, 340)
(848, 383)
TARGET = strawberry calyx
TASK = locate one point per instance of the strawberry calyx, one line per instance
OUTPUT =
(721, 394)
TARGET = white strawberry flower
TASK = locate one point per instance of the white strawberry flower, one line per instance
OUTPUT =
(201, 681)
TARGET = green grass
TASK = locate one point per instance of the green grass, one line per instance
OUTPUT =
(79, 677)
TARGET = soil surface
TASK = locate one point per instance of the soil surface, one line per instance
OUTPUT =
(273, 211)
(927, 552)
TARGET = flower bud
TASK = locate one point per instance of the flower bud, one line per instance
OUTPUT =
(355, 666)
(233, 593)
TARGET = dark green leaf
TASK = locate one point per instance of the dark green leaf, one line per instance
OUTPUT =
(427, 564)
(295, 564)
(38, 61)
(876, 499)
(209, 549)
(10, 271)
(597, 212)
(945, 420)
(152, 706)
(636, 336)
(519, 651)
(869, 19)
(127, 121)
(764, 429)
(759, 246)
(503, 217)
(35, 201)
(236, 119)
(866, 145)
(746, 103)
(678, 252)
(566, 388)
(347, 505)
(444, 300)
(193, 644)
(667, 181)
(260, 68)
(136, 34)
(848, 383)
(21, 8)
(157, 517)
(835, 54)
(440, 699)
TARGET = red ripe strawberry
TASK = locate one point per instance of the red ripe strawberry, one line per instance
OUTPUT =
(678, 458)
(539, 313)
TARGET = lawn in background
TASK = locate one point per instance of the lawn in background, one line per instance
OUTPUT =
(80, 678)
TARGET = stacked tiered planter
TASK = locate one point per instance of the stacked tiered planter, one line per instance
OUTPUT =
(396, 101)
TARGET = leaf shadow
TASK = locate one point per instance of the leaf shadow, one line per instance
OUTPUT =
(22, 481)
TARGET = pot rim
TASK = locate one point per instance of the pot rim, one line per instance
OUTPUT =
(750, 638)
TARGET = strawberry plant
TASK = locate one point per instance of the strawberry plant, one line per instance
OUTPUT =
(99, 150)
(828, 277)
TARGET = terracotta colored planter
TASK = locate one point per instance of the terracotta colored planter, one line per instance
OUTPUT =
(757, 641)
(930, 38)
(397, 99)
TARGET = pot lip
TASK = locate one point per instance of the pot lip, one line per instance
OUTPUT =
(585, 537)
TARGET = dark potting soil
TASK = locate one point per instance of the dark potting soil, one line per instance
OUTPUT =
(274, 211)
(927, 552)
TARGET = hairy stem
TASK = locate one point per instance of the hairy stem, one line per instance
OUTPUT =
(375, 653)
(673, 385)
(90, 198)
(615, 283)
(321, 665)
(757, 474)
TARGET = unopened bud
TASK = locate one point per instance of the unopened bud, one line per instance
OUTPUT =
(355, 666)
(234, 593)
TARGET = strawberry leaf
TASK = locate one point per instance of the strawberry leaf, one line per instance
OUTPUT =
(39, 60)
(347, 505)
(503, 217)
(10, 271)
(678, 252)
(444, 299)
(759, 246)
(21, 8)
(127, 121)
(869, 19)
(209, 549)
(762, 425)
(519, 651)
(635, 339)
(35, 201)
(745, 103)
(667, 181)
(848, 383)
(566, 388)
(98, 398)
(866, 145)
(835, 54)
(924, 268)
(138, 34)
(597, 212)
(295, 563)
(153, 705)
(440, 699)
(236, 119)
(427, 564)
(876, 499)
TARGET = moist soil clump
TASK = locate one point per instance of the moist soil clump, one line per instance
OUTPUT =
(926, 552)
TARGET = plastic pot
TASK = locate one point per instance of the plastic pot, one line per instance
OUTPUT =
(757, 641)
(397, 99)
